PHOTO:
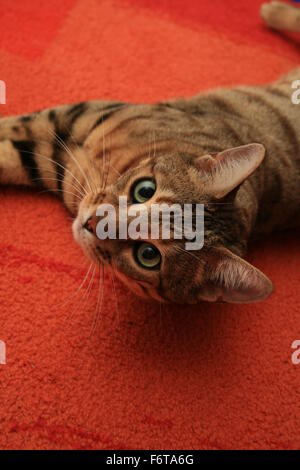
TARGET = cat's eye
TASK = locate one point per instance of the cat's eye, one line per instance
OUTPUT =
(147, 255)
(143, 190)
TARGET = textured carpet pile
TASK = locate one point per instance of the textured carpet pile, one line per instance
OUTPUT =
(203, 377)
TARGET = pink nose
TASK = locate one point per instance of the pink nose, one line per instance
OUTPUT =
(91, 224)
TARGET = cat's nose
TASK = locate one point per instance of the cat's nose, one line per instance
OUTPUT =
(90, 225)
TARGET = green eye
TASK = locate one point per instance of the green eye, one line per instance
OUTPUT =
(143, 190)
(147, 255)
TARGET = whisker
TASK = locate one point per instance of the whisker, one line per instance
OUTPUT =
(108, 168)
(55, 179)
(149, 146)
(116, 171)
(56, 163)
(154, 144)
(99, 300)
(62, 191)
(89, 161)
(84, 297)
(66, 148)
(58, 179)
(69, 299)
(103, 150)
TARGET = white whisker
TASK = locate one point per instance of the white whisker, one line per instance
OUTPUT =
(77, 290)
(66, 148)
(89, 161)
(99, 300)
(56, 163)
(84, 297)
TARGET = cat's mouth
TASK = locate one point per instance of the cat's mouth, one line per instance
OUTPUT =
(84, 236)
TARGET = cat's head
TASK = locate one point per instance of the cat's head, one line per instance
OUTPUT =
(164, 269)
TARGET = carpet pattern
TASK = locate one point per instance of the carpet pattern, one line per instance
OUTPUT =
(200, 377)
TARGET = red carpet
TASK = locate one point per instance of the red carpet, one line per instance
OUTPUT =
(202, 377)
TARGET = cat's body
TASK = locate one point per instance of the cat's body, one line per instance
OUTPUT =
(93, 152)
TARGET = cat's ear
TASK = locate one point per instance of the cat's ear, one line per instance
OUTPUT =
(224, 171)
(229, 278)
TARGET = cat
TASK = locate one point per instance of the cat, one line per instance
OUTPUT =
(237, 151)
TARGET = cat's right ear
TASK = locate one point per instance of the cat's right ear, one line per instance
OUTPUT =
(229, 278)
(222, 172)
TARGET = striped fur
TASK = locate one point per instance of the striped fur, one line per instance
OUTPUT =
(197, 150)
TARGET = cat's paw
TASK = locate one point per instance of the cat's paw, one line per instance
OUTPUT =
(276, 14)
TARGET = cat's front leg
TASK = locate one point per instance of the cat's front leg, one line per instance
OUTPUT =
(27, 150)
(33, 153)
(279, 15)
(11, 169)
(45, 149)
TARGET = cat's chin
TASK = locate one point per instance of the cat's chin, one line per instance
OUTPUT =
(81, 237)
(77, 229)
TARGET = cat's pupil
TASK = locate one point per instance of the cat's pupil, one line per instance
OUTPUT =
(149, 252)
(147, 255)
(146, 192)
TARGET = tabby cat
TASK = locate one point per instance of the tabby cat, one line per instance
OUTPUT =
(237, 151)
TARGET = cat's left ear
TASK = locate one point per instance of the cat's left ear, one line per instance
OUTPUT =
(222, 172)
